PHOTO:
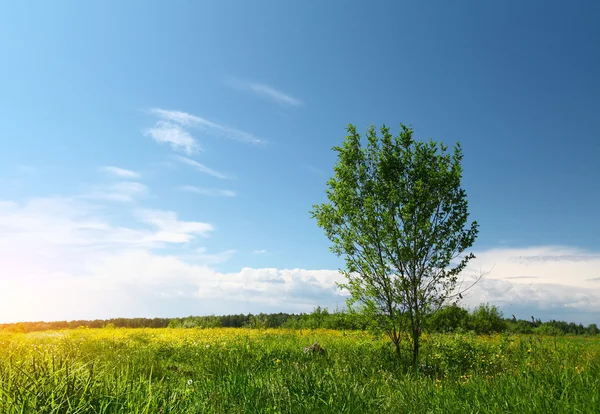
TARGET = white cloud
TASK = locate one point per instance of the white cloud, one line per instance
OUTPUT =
(550, 264)
(212, 192)
(179, 117)
(261, 251)
(170, 129)
(547, 280)
(173, 134)
(170, 228)
(280, 287)
(124, 191)
(200, 167)
(264, 91)
(202, 257)
(70, 223)
(120, 172)
(274, 94)
(63, 259)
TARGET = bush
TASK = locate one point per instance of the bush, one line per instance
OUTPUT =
(487, 320)
(546, 329)
(520, 327)
(451, 318)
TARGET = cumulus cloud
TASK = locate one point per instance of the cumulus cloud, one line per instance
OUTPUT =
(560, 265)
(63, 259)
(212, 192)
(549, 280)
(120, 172)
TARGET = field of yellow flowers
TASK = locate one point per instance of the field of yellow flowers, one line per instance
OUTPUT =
(266, 371)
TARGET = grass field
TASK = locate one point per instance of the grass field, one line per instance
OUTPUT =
(266, 371)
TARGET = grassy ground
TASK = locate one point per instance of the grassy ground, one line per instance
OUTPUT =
(248, 371)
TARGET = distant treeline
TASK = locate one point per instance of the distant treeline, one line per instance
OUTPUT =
(96, 323)
(484, 319)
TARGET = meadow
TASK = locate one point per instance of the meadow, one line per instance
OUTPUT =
(228, 370)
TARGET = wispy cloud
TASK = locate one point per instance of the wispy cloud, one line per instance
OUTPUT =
(173, 134)
(72, 223)
(120, 172)
(200, 167)
(521, 277)
(179, 117)
(172, 122)
(274, 94)
(170, 228)
(201, 256)
(264, 91)
(213, 192)
(261, 251)
(124, 191)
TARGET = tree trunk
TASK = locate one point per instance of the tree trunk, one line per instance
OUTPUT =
(397, 345)
(396, 340)
(415, 337)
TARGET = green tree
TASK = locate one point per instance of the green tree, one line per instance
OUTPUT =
(487, 319)
(449, 319)
(258, 322)
(398, 215)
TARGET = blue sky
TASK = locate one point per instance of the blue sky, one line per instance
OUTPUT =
(160, 158)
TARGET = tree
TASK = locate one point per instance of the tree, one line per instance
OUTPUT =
(486, 319)
(449, 319)
(398, 215)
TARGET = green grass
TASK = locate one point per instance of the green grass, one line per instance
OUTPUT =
(251, 371)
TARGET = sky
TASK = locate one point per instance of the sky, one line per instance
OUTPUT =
(161, 158)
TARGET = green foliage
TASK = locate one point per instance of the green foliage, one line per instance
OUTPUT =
(321, 318)
(520, 327)
(202, 322)
(398, 215)
(96, 323)
(547, 330)
(487, 319)
(451, 318)
(257, 322)
(174, 323)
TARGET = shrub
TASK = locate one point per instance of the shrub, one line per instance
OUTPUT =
(487, 320)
